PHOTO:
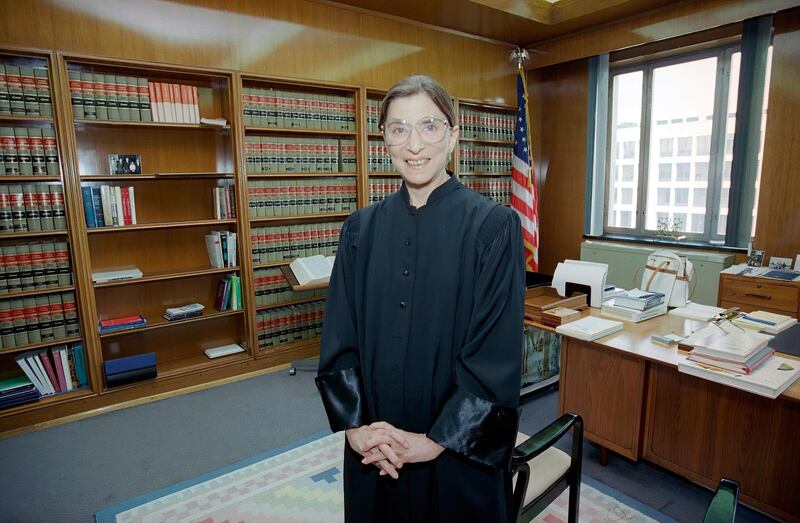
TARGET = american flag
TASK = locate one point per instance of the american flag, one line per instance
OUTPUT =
(524, 198)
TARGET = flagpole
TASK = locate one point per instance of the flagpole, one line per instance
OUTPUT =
(521, 56)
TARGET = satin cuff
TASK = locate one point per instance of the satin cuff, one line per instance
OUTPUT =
(343, 398)
(477, 429)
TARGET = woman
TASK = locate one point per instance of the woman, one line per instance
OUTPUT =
(421, 342)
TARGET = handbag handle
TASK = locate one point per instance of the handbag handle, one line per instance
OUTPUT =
(653, 275)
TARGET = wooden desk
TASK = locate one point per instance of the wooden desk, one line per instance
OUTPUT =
(751, 293)
(635, 402)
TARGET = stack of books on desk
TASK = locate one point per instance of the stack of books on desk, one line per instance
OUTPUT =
(589, 328)
(762, 321)
(559, 316)
(770, 379)
(635, 305)
(739, 351)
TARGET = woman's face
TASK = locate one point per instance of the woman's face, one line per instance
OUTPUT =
(418, 161)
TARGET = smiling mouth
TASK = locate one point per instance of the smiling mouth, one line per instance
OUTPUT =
(418, 163)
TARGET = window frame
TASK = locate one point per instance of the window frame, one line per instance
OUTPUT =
(716, 155)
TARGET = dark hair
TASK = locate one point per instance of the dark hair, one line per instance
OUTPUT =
(411, 85)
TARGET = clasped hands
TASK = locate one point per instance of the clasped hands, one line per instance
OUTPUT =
(388, 447)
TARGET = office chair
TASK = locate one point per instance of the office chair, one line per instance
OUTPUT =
(541, 472)
(722, 508)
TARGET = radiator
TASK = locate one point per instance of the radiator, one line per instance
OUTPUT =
(625, 264)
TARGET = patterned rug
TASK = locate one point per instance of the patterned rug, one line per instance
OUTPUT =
(301, 483)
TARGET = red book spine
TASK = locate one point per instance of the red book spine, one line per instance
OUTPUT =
(48, 368)
(120, 321)
(126, 206)
(59, 367)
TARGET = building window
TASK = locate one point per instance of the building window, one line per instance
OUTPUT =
(682, 108)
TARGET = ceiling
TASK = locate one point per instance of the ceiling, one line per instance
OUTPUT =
(518, 22)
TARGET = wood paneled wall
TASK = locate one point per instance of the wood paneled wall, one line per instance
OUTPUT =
(290, 38)
(778, 223)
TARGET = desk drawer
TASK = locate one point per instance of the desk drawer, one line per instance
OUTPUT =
(772, 296)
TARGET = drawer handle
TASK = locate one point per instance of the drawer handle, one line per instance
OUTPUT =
(755, 295)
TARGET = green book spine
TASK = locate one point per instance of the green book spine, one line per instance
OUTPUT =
(9, 145)
(44, 202)
(57, 316)
(132, 86)
(280, 120)
(57, 203)
(45, 318)
(250, 143)
(13, 280)
(37, 265)
(89, 103)
(19, 323)
(18, 208)
(25, 267)
(15, 95)
(76, 94)
(112, 100)
(5, 102)
(145, 111)
(31, 320)
(29, 93)
(6, 218)
(31, 208)
(269, 108)
(121, 87)
(6, 325)
(71, 314)
(247, 106)
(43, 91)
(38, 161)
(62, 263)
(100, 96)
(51, 151)
(23, 146)
(50, 265)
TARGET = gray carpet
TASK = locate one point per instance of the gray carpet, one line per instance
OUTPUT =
(68, 473)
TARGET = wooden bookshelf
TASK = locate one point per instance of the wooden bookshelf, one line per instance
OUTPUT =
(156, 176)
(167, 276)
(41, 345)
(303, 131)
(145, 125)
(300, 217)
(160, 322)
(22, 118)
(32, 234)
(303, 175)
(164, 225)
(288, 303)
(13, 179)
(35, 292)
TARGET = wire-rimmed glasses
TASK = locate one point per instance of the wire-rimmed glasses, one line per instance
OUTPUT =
(431, 129)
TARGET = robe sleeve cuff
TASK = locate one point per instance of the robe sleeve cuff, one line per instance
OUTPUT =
(342, 397)
(477, 429)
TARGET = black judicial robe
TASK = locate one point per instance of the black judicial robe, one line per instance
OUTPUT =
(423, 329)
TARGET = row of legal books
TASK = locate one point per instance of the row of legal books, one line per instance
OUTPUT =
(284, 243)
(485, 125)
(739, 358)
(174, 103)
(635, 305)
(475, 158)
(32, 207)
(224, 202)
(229, 294)
(272, 288)
(33, 266)
(289, 324)
(108, 205)
(28, 152)
(298, 110)
(38, 319)
(60, 368)
(98, 96)
(273, 154)
(25, 90)
(221, 248)
(373, 115)
(498, 188)
(380, 188)
(378, 159)
(290, 197)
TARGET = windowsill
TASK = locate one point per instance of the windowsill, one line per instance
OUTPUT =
(688, 244)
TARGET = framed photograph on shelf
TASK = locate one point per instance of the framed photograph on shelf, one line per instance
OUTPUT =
(124, 164)
(755, 258)
(782, 264)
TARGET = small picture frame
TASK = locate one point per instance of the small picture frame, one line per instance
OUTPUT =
(781, 264)
(755, 258)
(797, 262)
(125, 164)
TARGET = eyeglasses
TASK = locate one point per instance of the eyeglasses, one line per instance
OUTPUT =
(432, 129)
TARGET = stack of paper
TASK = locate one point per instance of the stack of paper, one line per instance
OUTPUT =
(589, 328)
(770, 379)
(740, 352)
(613, 310)
(696, 311)
(765, 321)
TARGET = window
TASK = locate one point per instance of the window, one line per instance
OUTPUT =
(681, 108)
(683, 170)
(665, 172)
(666, 147)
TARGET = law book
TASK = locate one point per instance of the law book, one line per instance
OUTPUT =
(100, 96)
(156, 105)
(23, 148)
(38, 160)
(132, 88)
(123, 100)
(18, 208)
(57, 203)
(9, 146)
(5, 103)
(51, 151)
(89, 102)
(89, 211)
(770, 379)
(45, 205)
(15, 93)
(112, 99)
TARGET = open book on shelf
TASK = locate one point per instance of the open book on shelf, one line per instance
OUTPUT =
(312, 270)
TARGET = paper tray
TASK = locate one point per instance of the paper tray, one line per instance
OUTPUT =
(539, 299)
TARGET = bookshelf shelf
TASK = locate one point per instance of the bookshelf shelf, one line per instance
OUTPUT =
(35, 292)
(37, 234)
(286, 347)
(166, 276)
(34, 346)
(269, 265)
(300, 131)
(482, 140)
(163, 225)
(13, 179)
(271, 219)
(375, 135)
(148, 125)
(49, 401)
(22, 118)
(156, 176)
(288, 303)
(197, 363)
(303, 175)
(159, 323)
(484, 174)
(393, 175)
